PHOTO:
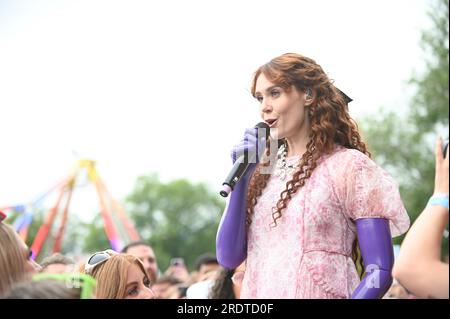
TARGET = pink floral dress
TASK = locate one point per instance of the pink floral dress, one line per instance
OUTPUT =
(308, 254)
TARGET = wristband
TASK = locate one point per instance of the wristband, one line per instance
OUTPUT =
(439, 199)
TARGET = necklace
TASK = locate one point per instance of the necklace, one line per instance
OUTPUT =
(281, 168)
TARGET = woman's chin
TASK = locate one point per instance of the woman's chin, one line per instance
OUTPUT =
(276, 134)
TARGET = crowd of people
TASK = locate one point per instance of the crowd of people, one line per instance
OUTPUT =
(132, 273)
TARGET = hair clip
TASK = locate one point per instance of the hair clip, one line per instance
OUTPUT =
(345, 96)
(2, 216)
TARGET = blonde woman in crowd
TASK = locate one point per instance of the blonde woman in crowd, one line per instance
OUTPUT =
(118, 276)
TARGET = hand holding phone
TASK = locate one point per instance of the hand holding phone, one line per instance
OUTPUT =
(177, 261)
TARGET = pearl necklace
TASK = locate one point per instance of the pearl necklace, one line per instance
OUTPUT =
(281, 168)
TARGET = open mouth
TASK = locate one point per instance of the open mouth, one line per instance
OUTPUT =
(271, 122)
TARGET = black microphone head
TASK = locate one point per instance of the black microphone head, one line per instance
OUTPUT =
(264, 126)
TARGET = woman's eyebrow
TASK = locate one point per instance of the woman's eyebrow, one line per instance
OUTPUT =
(131, 283)
(268, 89)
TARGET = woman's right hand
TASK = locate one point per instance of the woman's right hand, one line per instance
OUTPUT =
(441, 176)
(249, 144)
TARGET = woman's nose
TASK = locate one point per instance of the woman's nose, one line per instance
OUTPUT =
(265, 106)
(148, 293)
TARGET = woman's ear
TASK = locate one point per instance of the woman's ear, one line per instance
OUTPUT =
(309, 96)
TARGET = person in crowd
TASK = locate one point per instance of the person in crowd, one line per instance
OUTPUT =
(57, 264)
(203, 278)
(145, 253)
(205, 266)
(177, 269)
(419, 267)
(55, 286)
(118, 276)
(162, 288)
(16, 262)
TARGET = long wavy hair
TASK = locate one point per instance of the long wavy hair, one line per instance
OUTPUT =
(12, 259)
(330, 124)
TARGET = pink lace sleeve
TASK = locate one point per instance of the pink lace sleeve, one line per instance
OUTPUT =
(368, 191)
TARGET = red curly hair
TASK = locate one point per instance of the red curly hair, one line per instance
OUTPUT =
(330, 124)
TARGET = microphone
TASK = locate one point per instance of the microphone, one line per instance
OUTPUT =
(242, 163)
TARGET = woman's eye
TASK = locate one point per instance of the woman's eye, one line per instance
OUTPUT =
(147, 283)
(259, 99)
(132, 292)
(275, 93)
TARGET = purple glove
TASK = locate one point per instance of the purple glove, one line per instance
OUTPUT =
(374, 237)
(231, 240)
(250, 144)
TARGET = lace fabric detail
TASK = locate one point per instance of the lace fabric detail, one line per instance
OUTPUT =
(307, 255)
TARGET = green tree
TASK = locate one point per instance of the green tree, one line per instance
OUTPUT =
(78, 236)
(33, 227)
(404, 145)
(178, 218)
(95, 237)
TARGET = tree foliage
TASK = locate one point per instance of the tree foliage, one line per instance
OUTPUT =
(404, 145)
(178, 218)
(95, 237)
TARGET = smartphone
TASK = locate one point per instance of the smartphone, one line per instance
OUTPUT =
(444, 147)
(177, 261)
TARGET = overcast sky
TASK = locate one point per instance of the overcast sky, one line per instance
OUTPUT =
(149, 86)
